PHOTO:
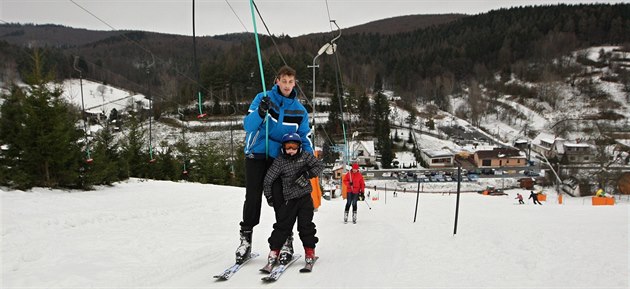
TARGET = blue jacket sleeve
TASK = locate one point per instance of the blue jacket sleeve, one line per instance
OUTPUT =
(304, 130)
(252, 120)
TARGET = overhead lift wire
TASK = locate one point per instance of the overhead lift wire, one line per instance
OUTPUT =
(151, 159)
(285, 63)
(262, 77)
(83, 116)
(186, 76)
(140, 46)
(338, 85)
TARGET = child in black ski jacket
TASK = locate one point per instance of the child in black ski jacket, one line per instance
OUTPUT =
(295, 168)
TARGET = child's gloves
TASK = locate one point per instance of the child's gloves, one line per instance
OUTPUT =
(302, 180)
(270, 201)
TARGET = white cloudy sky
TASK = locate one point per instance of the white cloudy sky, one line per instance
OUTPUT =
(292, 17)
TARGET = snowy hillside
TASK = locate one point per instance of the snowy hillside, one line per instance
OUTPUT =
(155, 234)
(516, 117)
(100, 98)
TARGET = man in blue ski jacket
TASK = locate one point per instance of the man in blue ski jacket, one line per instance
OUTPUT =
(271, 115)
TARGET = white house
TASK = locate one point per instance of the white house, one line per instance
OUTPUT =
(438, 158)
(548, 144)
(577, 153)
(362, 152)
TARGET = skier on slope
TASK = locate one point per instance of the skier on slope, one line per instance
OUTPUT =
(269, 118)
(534, 197)
(519, 197)
(353, 180)
(295, 168)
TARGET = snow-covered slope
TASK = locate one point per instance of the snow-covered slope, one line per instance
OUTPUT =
(156, 234)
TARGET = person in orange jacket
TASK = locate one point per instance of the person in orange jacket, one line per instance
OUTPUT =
(355, 185)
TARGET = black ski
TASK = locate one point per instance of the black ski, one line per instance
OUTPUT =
(309, 266)
(234, 268)
(279, 269)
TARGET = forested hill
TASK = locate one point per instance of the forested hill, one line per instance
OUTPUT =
(476, 45)
(424, 63)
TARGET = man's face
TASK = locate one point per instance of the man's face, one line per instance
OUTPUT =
(286, 84)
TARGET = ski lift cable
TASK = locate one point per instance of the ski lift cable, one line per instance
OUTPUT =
(239, 18)
(136, 43)
(331, 45)
(285, 63)
(151, 159)
(262, 77)
(277, 50)
(196, 65)
(339, 92)
(138, 86)
(83, 117)
(328, 48)
(275, 44)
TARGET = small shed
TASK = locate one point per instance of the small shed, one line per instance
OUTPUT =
(526, 183)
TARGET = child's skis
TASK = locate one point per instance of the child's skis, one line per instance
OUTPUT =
(309, 265)
(234, 268)
(277, 271)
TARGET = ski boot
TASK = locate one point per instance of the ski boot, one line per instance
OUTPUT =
(354, 217)
(245, 248)
(286, 253)
(272, 260)
(309, 254)
(345, 217)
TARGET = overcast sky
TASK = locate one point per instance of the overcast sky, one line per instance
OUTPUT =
(292, 17)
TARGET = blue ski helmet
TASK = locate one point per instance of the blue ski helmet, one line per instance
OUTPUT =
(291, 137)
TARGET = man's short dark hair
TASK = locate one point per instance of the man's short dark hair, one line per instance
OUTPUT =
(286, 70)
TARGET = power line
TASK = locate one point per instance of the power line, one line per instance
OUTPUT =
(138, 45)
(239, 19)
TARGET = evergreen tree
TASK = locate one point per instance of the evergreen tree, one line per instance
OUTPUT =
(167, 167)
(136, 158)
(106, 166)
(382, 130)
(333, 126)
(38, 128)
(365, 110)
(210, 165)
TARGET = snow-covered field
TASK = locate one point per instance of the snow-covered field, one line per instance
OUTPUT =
(156, 234)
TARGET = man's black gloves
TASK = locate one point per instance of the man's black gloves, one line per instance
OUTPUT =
(303, 179)
(263, 107)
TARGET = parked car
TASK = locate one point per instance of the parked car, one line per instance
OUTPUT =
(492, 191)
(531, 173)
(473, 177)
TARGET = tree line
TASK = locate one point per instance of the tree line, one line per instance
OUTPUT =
(423, 66)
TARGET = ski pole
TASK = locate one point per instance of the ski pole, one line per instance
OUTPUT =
(365, 200)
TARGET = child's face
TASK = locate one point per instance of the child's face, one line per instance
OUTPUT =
(291, 148)
(286, 84)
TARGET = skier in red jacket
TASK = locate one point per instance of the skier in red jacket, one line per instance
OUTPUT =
(355, 185)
